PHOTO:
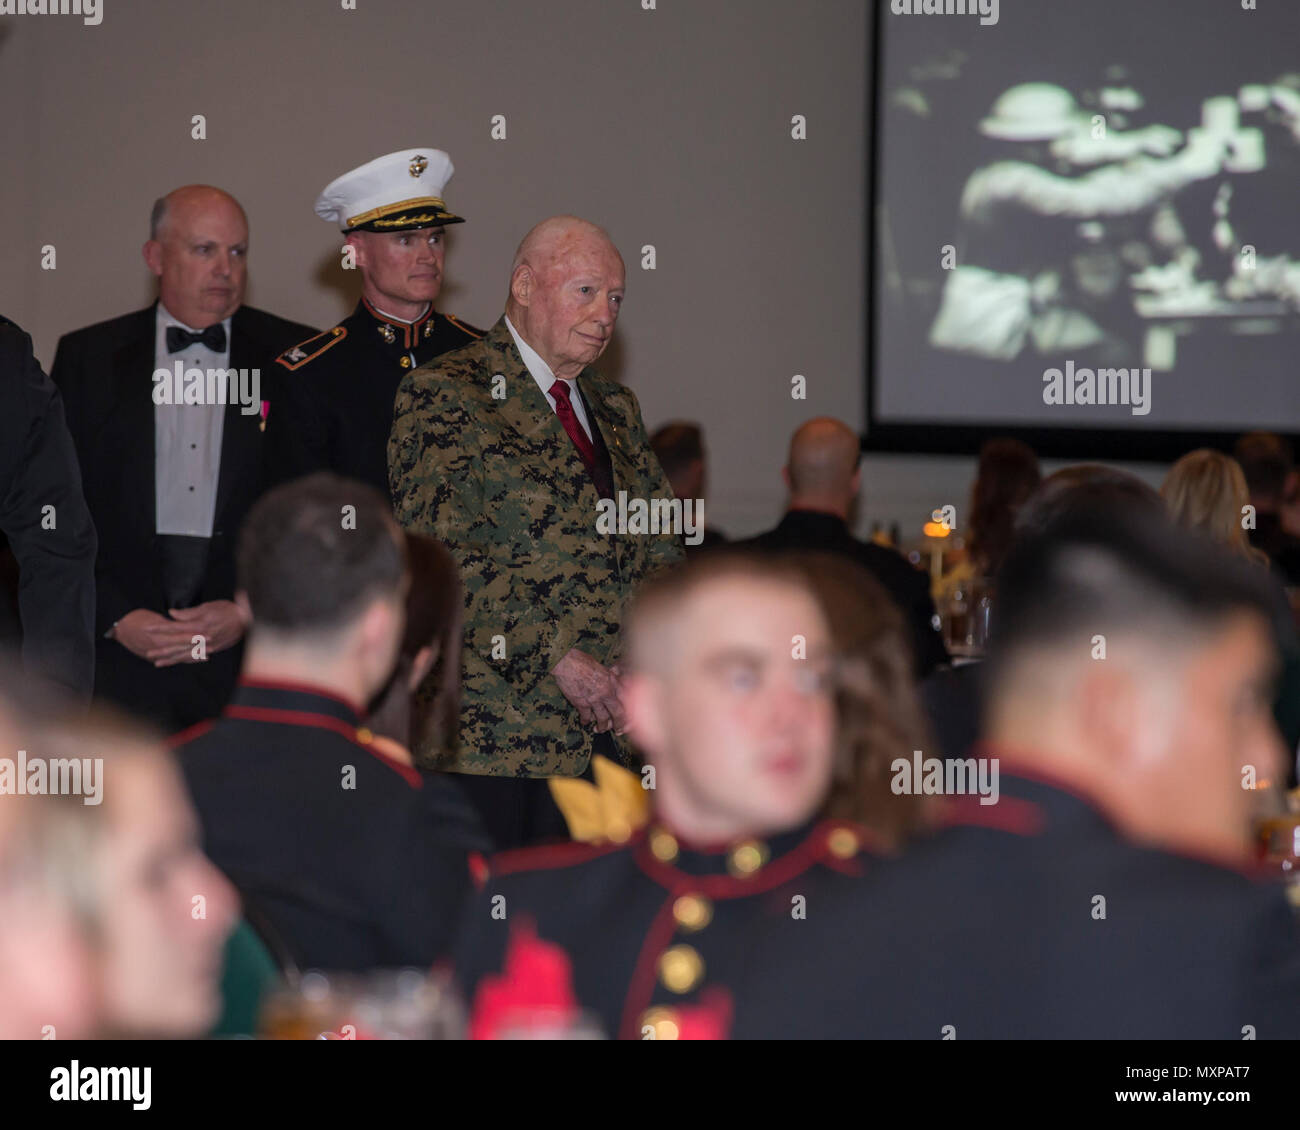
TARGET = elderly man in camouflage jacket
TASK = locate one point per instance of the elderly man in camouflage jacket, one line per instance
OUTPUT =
(503, 450)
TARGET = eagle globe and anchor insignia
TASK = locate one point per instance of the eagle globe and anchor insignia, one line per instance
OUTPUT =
(418, 164)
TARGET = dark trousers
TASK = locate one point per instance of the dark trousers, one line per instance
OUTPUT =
(172, 698)
(519, 811)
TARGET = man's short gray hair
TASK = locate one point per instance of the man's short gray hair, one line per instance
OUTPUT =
(157, 217)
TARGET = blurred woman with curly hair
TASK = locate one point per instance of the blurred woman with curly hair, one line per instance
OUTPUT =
(880, 716)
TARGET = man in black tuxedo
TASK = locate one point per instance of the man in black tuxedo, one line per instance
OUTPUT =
(170, 446)
(823, 478)
(44, 518)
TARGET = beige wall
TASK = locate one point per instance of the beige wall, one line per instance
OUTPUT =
(670, 127)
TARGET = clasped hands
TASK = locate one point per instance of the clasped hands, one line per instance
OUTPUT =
(167, 640)
(593, 688)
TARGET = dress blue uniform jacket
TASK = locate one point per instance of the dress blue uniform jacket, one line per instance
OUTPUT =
(355, 860)
(656, 927)
(1033, 918)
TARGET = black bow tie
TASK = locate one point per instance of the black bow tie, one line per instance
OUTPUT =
(214, 337)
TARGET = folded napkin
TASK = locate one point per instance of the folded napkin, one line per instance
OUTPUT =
(610, 810)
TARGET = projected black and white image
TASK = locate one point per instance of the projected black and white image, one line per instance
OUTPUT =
(1077, 243)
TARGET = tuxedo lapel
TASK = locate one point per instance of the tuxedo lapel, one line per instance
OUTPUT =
(129, 439)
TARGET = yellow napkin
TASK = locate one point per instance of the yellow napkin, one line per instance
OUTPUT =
(610, 810)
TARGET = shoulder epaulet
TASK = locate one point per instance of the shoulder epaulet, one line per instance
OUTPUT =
(312, 348)
(465, 326)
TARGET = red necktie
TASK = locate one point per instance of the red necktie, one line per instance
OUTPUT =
(564, 409)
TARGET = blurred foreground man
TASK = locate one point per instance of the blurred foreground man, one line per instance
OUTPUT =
(1100, 888)
(46, 974)
(335, 405)
(112, 922)
(170, 466)
(335, 844)
(504, 451)
(729, 694)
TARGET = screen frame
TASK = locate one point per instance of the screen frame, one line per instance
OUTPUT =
(1134, 445)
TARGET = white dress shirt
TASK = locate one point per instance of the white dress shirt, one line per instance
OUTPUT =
(541, 373)
(187, 440)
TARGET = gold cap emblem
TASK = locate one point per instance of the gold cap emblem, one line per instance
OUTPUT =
(418, 165)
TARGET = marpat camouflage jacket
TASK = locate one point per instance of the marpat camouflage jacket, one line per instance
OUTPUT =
(498, 480)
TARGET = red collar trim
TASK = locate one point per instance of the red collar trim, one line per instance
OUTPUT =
(542, 857)
(808, 851)
(409, 329)
(189, 734)
(1020, 765)
(323, 722)
(408, 774)
(1010, 814)
(375, 313)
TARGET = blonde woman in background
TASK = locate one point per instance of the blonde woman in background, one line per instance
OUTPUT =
(1206, 491)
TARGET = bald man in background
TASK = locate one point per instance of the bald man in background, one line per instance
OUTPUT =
(823, 478)
(168, 479)
(503, 450)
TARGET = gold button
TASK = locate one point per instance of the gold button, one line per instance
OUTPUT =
(843, 843)
(692, 912)
(364, 736)
(405, 362)
(680, 969)
(662, 1022)
(747, 858)
(662, 846)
